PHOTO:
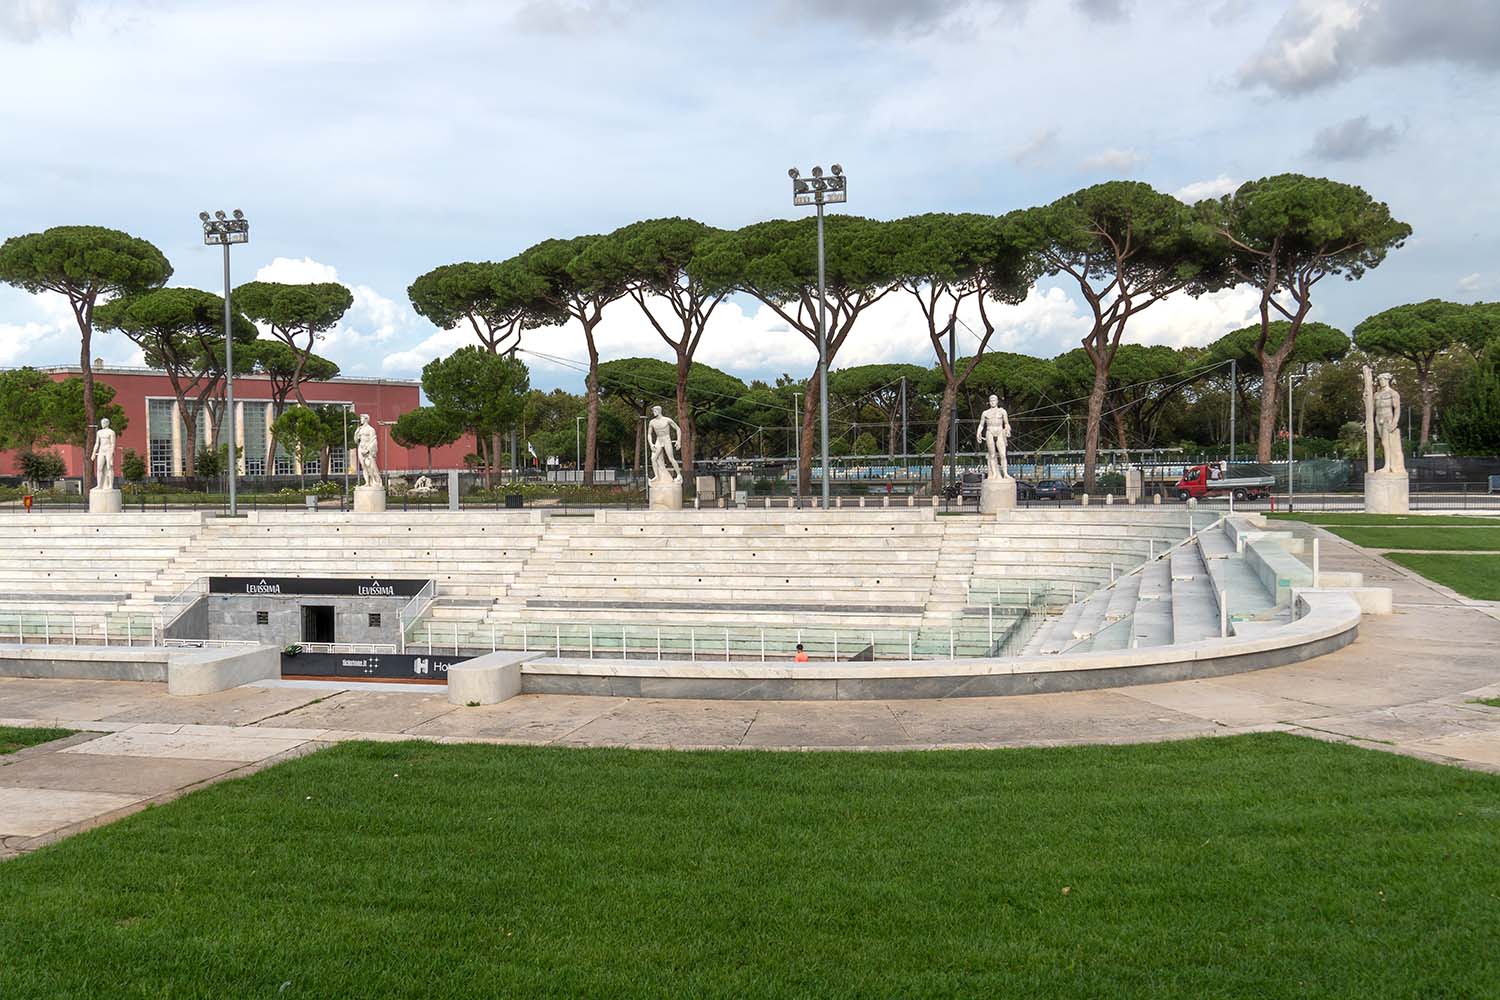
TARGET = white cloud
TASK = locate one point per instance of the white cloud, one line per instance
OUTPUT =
(1321, 42)
(373, 321)
(28, 20)
(1199, 190)
(1303, 51)
(1037, 149)
(1353, 139)
(297, 271)
(1120, 160)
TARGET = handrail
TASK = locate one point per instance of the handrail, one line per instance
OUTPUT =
(179, 603)
(415, 609)
(71, 628)
(347, 647)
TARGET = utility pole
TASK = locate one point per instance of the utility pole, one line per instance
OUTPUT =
(819, 191)
(225, 231)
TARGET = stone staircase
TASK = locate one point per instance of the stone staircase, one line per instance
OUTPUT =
(1173, 598)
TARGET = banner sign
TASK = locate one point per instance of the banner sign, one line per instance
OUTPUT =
(375, 666)
(312, 586)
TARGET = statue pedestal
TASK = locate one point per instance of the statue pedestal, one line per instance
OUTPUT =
(102, 501)
(1387, 493)
(1134, 483)
(996, 495)
(666, 495)
(369, 499)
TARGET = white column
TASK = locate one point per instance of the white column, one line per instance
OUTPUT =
(177, 462)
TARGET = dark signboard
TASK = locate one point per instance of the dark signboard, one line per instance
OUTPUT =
(375, 666)
(321, 586)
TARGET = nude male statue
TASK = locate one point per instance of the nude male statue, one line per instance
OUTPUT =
(993, 430)
(104, 456)
(366, 443)
(659, 438)
(1388, 425)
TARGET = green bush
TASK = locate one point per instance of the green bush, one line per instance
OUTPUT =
(42, 466)
(1110, 482)
(133, 466)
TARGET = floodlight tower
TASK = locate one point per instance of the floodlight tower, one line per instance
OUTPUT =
(220, 230)
(820, 191)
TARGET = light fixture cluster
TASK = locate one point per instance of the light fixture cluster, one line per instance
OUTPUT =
(818, 189)
(220, 229)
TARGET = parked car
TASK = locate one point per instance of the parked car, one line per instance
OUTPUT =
(969, 486)
(1054, 489)
(1025, 490)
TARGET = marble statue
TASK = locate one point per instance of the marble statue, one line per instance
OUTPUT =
(659, 438)
(994, 430)
(1387, 413)
(366, 444)
(1387, 489)
(104, 456)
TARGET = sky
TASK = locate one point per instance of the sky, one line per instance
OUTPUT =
(369, 141)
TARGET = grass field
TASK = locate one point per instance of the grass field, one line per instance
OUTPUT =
(13, 738)
(1256, 866)
(1473, 574)
(1368, 520)
(1475, 539)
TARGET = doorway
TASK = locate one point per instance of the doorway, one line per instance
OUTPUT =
(317, 623)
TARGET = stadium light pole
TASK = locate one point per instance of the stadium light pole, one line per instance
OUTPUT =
(221, 230)
(819, 190)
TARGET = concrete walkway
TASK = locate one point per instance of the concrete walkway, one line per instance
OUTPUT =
(1407, 685)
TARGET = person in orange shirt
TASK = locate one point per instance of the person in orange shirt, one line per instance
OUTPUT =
(801, 656)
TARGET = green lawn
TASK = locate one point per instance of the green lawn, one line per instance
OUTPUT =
(1490, 702)
(1474, 575)
(1475, 539)
(1257, 866)
(1368, 520)
(13, 738)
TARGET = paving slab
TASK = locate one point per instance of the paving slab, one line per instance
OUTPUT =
(1224, 703)
(45, 698)
(1080, 717)
(236, 707)
(1408, 723)
(373, 712)
(32, 812)
(118, 775)
(826, 724)
(527, 718)
(238, 747)
(1480, 748)
(668, 723)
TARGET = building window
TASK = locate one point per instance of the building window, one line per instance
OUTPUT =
(312, 466)
(284, 464)
(159, 435)
(262, 617)
(336, 463)
(375, 619)
(254, 414)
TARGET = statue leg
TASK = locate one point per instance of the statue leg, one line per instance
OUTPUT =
(1004, 465)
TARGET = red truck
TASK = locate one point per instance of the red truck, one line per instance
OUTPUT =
(1203, 481)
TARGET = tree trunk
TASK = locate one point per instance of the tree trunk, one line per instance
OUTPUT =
(940, 445)
(87, 365)
(1425, 388)
(592, 383)
(809, 427)
(494, 460)
(189, 439)
(1091, 433)
(1270, 386)
(684, 415)
(429, 460)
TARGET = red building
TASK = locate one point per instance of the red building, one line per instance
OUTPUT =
(155, 431)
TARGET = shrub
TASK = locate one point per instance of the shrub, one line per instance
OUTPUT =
(208, 465)
(1110, 482)
(42, 466)
(133, 466)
